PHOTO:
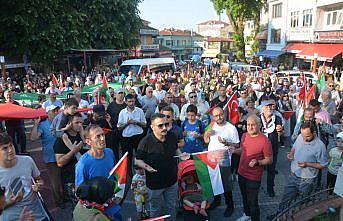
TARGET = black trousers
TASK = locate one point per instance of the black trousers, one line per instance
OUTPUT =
(271, 172)
(331, 181)
(130, 145)
(19, 137)
(249, 190)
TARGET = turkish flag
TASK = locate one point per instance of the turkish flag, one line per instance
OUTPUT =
(54, 80)
(232, 106)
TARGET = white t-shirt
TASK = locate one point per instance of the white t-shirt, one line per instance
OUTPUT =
(159, 94)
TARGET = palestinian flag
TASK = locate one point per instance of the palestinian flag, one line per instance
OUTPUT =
(208, 172)
(308, 96)
(161, 218)
(120, 171)
(321, 82)
(210, 126)
(287, 114)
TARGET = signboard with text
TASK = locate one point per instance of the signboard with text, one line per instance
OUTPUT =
(328, 36)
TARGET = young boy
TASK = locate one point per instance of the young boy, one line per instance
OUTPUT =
(140, 191)
(335, 158)
(193, 131)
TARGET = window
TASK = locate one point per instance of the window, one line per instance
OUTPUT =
(334, 17)
(294, 19)
(275, 36)
(307, 18)
(277, 10)
(328, 19)
(169, 43)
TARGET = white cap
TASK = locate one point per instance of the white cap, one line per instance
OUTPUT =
(339, 135)
(50, 108)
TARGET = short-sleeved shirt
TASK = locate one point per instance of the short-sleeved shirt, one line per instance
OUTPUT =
(336, 160)
(160, 156)
(192, 144)
(124, 116)
(227, 132)
(48, 103)
(48, 141)
(258, 148)
(89, 167)
(68, 170)
(16, 178)
(273, 136)
(311, 152)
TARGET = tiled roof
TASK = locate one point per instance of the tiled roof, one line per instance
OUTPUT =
(177, 32)
(213, 22)
(217, 39)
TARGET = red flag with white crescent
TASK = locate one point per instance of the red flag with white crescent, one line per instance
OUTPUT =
(232, 106)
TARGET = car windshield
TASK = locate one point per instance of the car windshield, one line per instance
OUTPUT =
(124, 69)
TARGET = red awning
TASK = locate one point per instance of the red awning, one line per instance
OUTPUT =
(326, 52)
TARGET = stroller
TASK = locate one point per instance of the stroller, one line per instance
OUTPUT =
(186, 169)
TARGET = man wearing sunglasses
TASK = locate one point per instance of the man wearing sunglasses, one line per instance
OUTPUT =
(193, 99)
(156, 154)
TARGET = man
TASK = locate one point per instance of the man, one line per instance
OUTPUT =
(222, 99)
(52, 89)
(329, 104)
(319, 112)
(159, 93)
(15, 128)
(178, 98)
(156, 154)
(52, 101)
(271, 127)
(219, 137)
(82, 103)
(21, 177)
(113, 110)
(173, 127)
(66, 151)
(194, 88)
(334, 93)
(131, 122)
(167, 101)
(60, 122)
(193, 99)
(41, 129)
(308, 156)
(256, 152)
(98, 161)
(149, 103)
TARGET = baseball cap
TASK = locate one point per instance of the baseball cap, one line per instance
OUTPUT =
(99, 109)
(315, 102)
(120, 90)
(50, 108)
(339, 135)
(266, 103)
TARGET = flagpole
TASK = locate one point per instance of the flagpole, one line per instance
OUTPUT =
(117, 165)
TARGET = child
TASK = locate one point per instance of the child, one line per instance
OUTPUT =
(193, 131)
(140, 191)
(191, 199)
(336, 158)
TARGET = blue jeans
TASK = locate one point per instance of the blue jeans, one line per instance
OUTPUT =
(295, 186)
(166, 196)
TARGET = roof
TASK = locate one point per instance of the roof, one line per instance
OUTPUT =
(178, 32)
(218, 39)
(213, 22)
(325, 52)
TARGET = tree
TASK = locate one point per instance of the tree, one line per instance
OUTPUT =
(45, 29)
(238, 12)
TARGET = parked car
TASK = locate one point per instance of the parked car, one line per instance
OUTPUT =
(295, 74)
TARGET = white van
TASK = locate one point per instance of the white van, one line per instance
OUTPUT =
(294, 74)
(149, 64)
(240, 66)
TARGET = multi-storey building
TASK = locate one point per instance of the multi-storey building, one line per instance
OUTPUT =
(183, 43)
(301, 31)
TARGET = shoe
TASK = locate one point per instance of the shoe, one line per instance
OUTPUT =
(228, 212)
(214, 205)
(271, 193)
(244, 218)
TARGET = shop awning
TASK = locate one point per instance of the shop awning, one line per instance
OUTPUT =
(323, 52)
(269, 53)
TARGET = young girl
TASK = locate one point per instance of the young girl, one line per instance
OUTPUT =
(140, 191)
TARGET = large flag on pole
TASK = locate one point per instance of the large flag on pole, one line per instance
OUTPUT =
(208, 173)
(232, 106)
(120, 171)
(54, 80)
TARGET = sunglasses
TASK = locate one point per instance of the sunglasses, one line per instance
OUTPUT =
(160, 126)
(331, 85)
(192, 96)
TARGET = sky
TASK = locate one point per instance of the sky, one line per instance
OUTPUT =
(182, 14)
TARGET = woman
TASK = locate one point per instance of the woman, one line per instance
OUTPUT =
(93, 195)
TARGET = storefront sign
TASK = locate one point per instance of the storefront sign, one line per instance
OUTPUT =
(148, 31)
(328, 36)
(153, 47)
(299, 34)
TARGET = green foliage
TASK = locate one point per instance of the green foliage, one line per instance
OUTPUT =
(45, 29)
(238, 12)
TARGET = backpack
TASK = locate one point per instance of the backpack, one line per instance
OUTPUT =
(199, 122)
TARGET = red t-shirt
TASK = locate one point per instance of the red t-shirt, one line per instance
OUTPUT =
(257, 148)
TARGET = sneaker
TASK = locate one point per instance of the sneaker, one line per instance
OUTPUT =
(244, 218)
(228, 212)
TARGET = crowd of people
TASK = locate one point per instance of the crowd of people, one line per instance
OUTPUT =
(161, 118)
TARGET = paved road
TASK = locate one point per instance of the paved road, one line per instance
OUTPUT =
(267, 205)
